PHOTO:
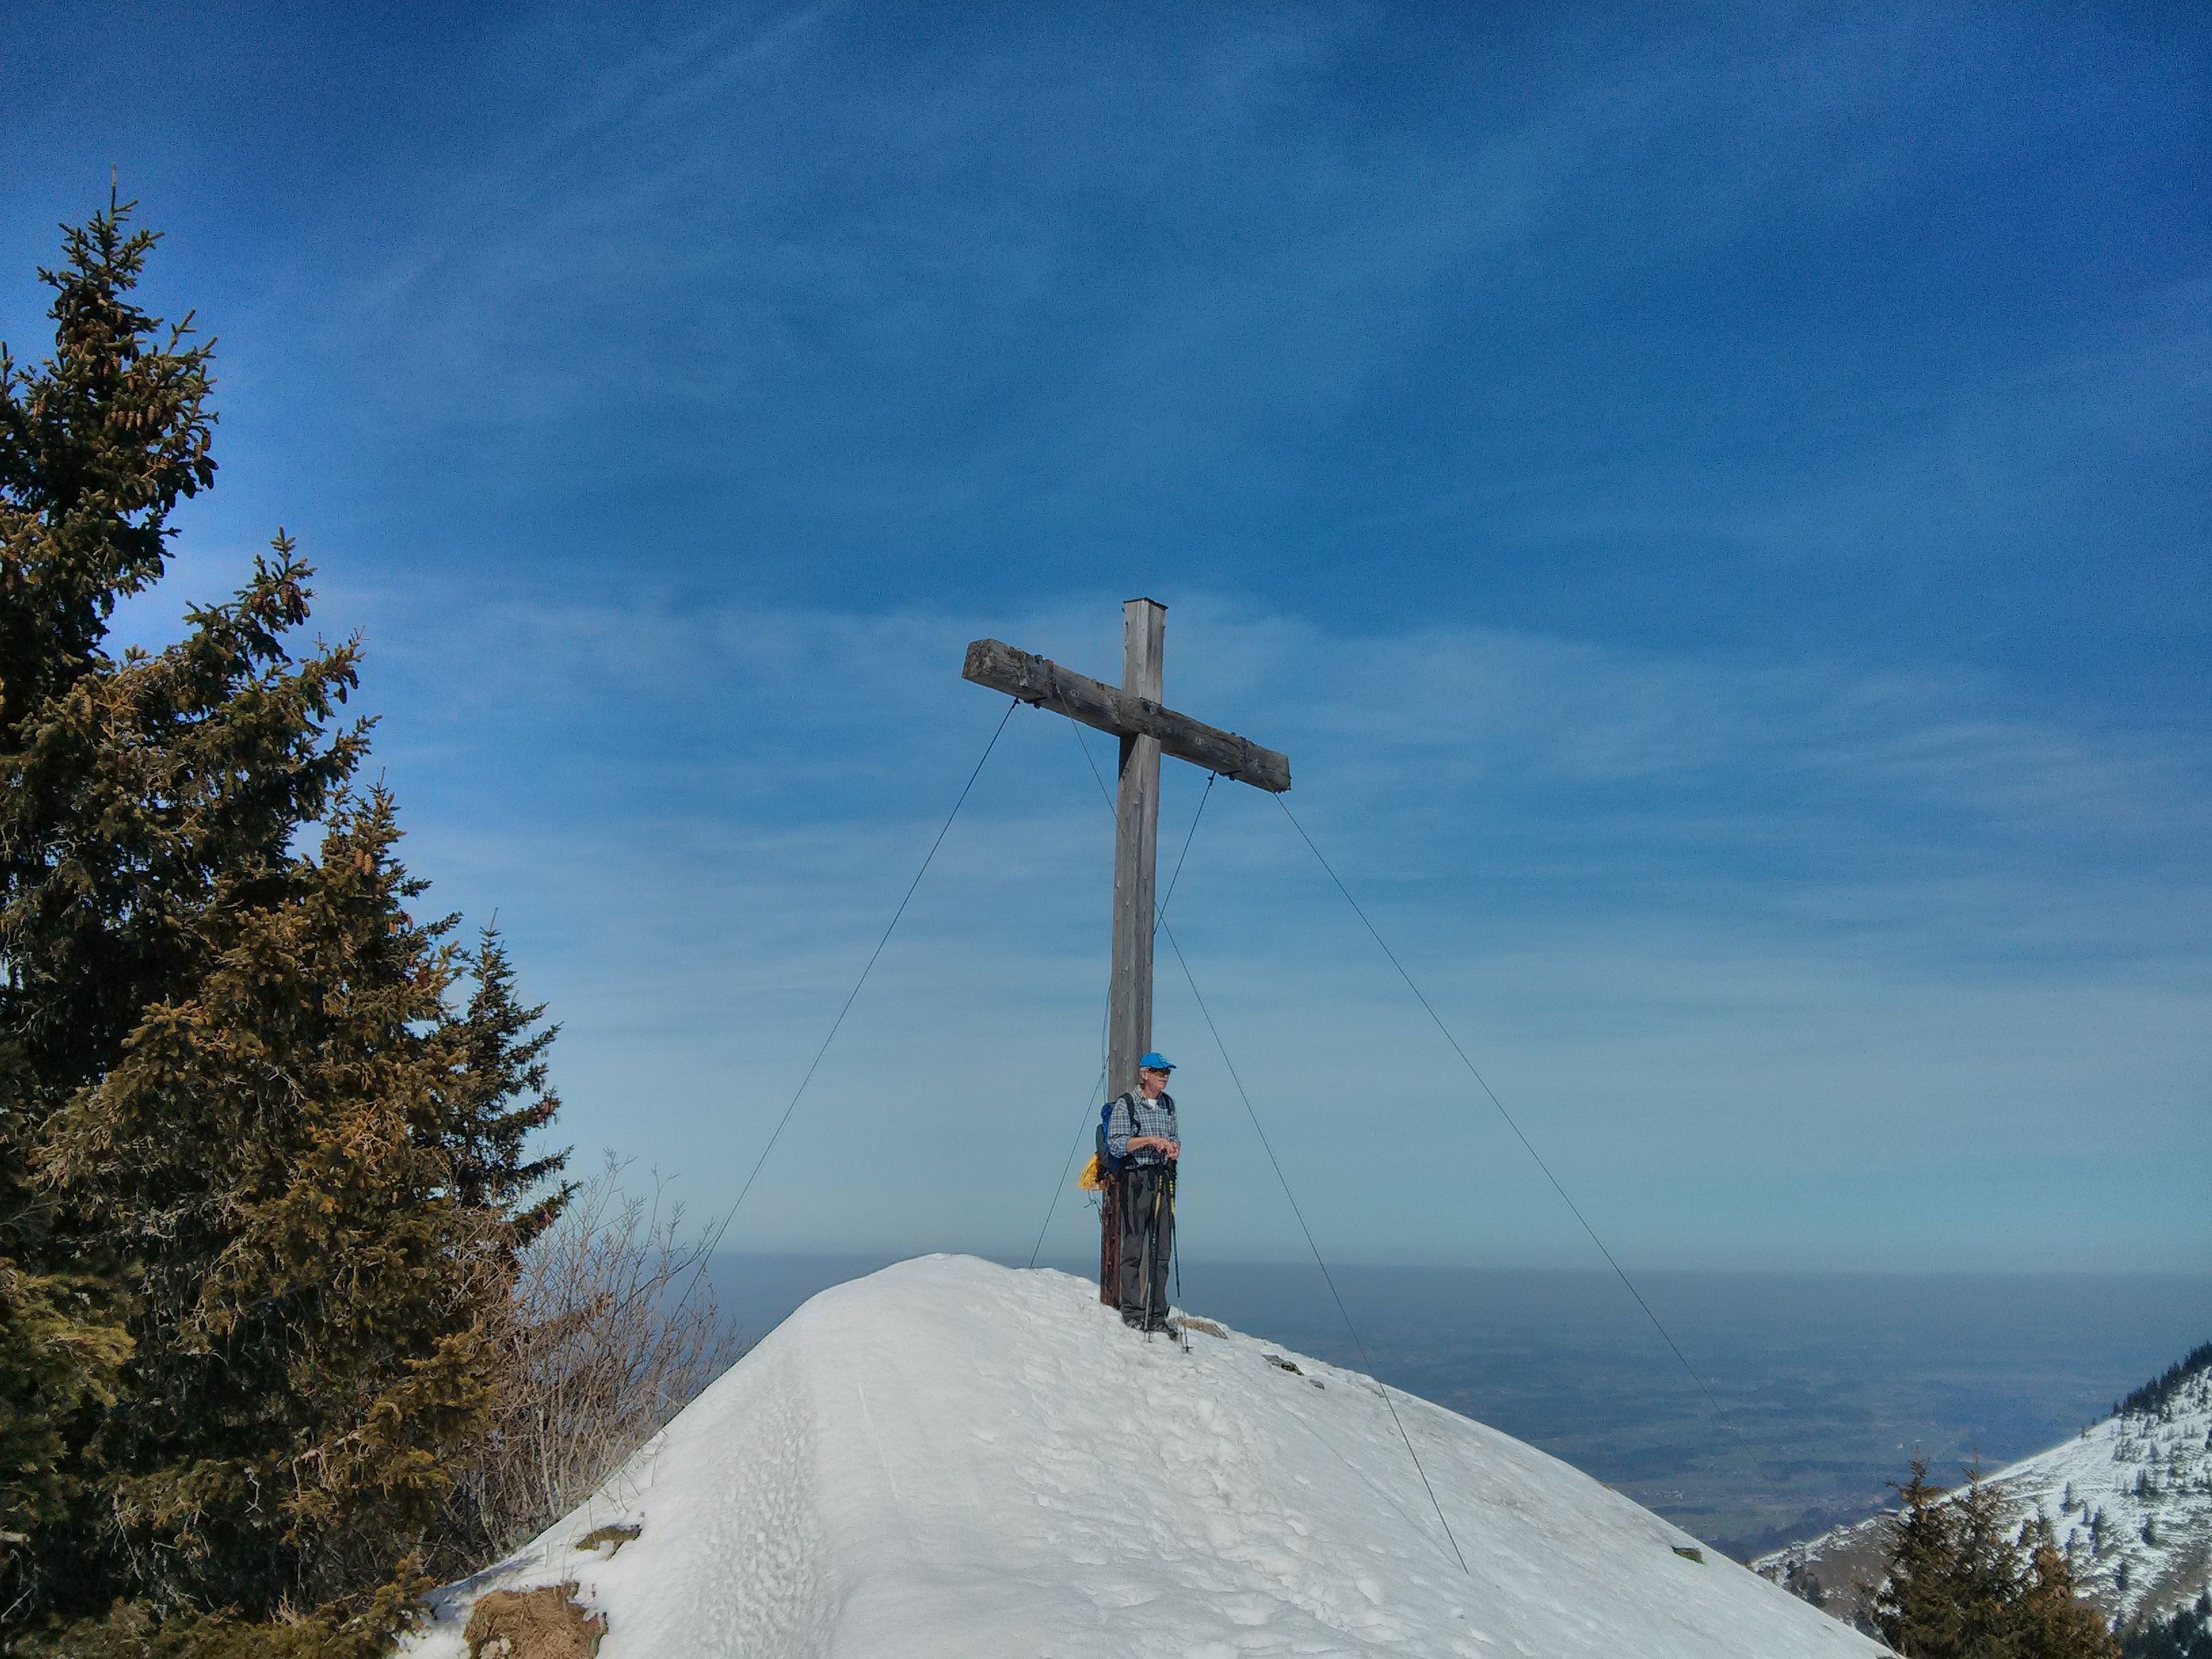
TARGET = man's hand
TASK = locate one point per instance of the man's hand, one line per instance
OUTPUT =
(1172, 1149)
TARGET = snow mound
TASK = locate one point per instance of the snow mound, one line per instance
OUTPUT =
(953, 1459)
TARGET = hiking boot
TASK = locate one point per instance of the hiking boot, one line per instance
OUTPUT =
(1135, 1321)
(1165, 1326)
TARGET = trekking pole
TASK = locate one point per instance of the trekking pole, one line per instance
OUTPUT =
(1174, 1258)
(1151, 1243)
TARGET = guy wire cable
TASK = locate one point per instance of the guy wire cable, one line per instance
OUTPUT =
(1090, 1106)
(1502, 1112)
(1159, 920)
(1327, 1279)
(1160, 916)
(1012, 703)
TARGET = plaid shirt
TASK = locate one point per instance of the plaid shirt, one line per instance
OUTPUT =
(1151, 1117)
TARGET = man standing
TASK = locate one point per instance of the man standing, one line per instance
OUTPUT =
(1141, 1131)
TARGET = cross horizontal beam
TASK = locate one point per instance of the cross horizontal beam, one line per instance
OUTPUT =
(1039, 680)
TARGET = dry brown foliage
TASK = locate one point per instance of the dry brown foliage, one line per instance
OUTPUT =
(539, 1624)
(611, 1329)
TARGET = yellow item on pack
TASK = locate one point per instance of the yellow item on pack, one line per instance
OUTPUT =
(1089, 1180)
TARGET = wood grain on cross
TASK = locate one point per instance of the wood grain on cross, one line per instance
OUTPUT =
(1133, 713)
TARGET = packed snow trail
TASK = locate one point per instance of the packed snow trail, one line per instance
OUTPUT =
(951, 1460)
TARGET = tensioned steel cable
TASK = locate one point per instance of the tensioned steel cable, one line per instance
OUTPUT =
(1160, 916)
(1090, 1106)
(1159, 920)
(1012, 703)
(1327, 1278)
(1428, 1009)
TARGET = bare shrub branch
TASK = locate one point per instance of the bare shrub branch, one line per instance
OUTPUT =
(611, 1330)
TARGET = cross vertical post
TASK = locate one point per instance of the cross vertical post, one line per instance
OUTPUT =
(1136, 852)
(1133, 713)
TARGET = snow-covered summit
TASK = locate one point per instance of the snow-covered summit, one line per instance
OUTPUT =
(950, 1458)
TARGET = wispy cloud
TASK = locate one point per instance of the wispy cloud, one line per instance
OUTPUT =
(1804, 914)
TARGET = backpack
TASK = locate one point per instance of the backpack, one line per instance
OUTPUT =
(1107, 1163)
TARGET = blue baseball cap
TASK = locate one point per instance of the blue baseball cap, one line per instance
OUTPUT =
(1156, 1062)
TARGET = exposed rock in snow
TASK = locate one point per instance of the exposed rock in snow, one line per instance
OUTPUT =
(2129, 1500)
(950, 1458)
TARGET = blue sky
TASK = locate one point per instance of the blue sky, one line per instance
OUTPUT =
(1715, 509)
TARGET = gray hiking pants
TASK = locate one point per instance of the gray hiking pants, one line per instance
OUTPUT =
(1148, 1237)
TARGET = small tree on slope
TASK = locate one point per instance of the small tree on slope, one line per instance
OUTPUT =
(2058, 1622)
(264, 1183)
(2186, 1633)
(497, 1096)
(1960, 1587)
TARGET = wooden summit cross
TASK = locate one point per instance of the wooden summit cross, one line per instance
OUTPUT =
(1133, 713)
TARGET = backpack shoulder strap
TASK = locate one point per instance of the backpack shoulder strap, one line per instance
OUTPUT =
(1106, 1125)
(1128, 1097)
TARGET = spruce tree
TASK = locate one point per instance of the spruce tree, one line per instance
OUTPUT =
(1987, 1575)
(1953, 1578)
(2055, 1623)
(2186, 1633)
(1960, 1587)
(97, 445)
(497, 1096)
(264, 1129)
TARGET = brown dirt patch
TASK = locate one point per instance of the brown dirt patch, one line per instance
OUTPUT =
(539, 1624)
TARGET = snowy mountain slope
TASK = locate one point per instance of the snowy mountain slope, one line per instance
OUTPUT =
(950, 1458)
(2129, 1499)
